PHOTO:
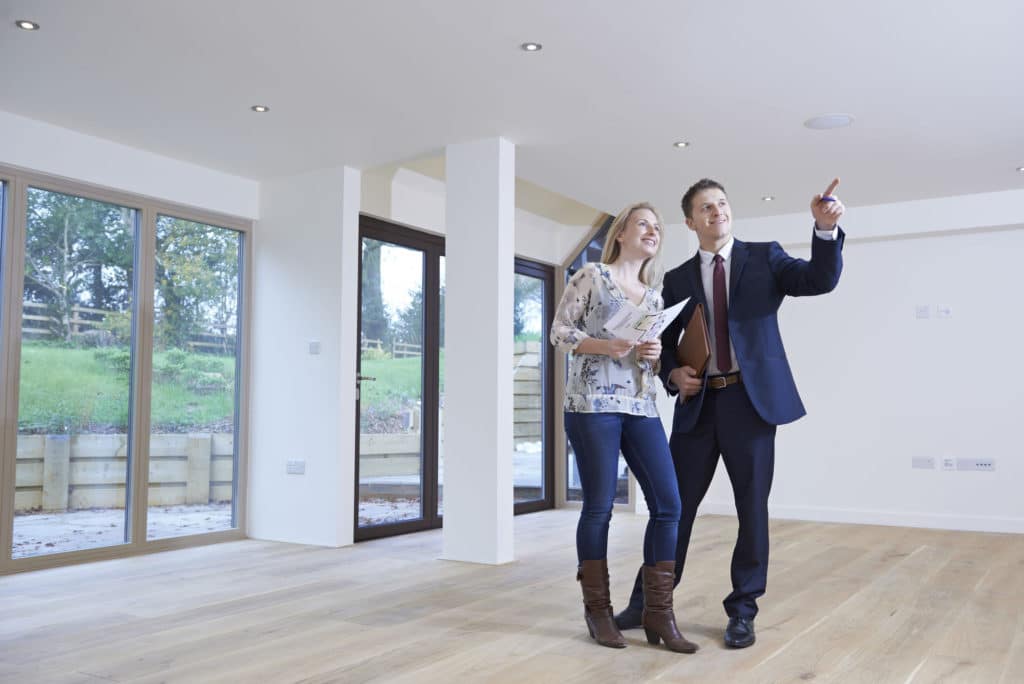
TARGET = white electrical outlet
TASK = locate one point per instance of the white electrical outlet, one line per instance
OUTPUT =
(295, 467)
(922, 311)
(923, 462)
(943, 311)
(984, 464)
(949, 464)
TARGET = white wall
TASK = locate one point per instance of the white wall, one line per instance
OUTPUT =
(303, 405)
(882, 386)
(416, 200)
(42, 147)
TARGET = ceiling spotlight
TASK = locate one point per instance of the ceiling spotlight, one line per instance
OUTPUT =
(260, 108)
(1020, 169)
(768, 198)
(27, 25)
(531, 47)
(681, 144)
(827, 121)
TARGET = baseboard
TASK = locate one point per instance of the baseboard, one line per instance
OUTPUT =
(869, 517)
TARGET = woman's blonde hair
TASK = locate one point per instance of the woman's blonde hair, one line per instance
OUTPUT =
(650, 271)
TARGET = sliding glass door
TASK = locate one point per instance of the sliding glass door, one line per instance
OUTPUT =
(123, 337)
(532, 373)
(398, 381)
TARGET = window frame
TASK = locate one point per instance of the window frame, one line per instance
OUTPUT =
(17, 182)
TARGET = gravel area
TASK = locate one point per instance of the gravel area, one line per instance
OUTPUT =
(37, 534)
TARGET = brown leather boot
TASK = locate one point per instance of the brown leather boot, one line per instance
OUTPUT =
(658, 619)
(597, 606)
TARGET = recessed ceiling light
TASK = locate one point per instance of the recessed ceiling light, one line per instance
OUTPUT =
(768, 198)
(681, 144)
(260, 108)
(827, 121)
(1021, 169)
(27, 25)
(531, 47)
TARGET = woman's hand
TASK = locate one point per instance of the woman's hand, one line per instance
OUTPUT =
(649, 351)
(617, 348)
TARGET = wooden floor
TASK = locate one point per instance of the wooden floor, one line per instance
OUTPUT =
(845, 603)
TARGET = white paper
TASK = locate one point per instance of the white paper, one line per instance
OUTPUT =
(633, 325)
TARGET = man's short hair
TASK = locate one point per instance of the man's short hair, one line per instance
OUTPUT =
(702, 184)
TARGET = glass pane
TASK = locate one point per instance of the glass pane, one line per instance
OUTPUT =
(528, 388)
(440, 403)
(76, 363)
(391, 336)
(193, 417)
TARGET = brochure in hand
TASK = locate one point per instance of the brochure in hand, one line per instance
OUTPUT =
(631, 324)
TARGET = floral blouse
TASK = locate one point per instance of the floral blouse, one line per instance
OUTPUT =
(598, 383)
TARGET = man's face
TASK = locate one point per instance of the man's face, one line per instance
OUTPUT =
(710, 216)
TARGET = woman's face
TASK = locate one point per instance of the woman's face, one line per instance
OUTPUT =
(641, 235)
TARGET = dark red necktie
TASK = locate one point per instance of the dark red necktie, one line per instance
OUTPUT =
(722, 353)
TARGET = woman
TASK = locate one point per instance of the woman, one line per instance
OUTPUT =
(610, 406)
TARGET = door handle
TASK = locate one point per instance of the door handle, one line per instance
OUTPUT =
(360, 378)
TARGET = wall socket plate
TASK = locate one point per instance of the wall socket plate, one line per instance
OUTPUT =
(983, 464)
(948, 463)
(295, 466)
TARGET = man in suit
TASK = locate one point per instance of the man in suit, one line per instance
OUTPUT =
(747, 388)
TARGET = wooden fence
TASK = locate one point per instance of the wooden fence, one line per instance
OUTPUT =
(62, 472)
(399, 350)
(84, 319)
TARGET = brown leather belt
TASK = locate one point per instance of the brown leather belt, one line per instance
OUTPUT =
(722, 381)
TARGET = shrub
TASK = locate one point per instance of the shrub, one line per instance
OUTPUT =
(375, 355)
(118, 360)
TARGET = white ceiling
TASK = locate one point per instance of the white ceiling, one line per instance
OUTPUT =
(936, 88)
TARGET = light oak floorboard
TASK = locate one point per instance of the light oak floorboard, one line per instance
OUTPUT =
(845, 603)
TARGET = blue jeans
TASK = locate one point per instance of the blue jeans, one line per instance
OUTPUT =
(597, 439)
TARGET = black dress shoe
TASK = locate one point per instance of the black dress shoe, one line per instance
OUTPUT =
(629, 618)
(740, 632)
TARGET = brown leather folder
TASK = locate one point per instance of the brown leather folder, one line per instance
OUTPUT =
(694, 348)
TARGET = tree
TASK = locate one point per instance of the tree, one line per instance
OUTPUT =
(374, 313)
(77, 252)
(409, 322)
(528, 292)
(196, 281)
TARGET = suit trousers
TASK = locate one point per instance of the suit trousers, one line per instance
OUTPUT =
(730, 427)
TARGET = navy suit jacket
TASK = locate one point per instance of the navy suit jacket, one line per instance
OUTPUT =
(761, 276)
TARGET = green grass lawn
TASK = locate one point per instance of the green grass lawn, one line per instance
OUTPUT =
(84, 390)
(398, 383)
(75, 390)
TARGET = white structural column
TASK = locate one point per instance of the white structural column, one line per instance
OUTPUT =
(479, 274)
(304, 346)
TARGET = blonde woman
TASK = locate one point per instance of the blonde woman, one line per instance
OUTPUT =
(610, 406)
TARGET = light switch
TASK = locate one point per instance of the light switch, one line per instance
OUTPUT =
(314, 347)
(921, 310)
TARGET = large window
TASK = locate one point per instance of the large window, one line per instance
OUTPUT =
(400, 459)
(124, 330)
(532, 463)
(400, 367)
(194, 408)
(74, 452)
